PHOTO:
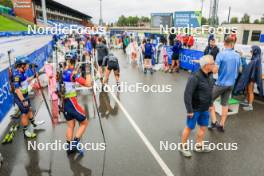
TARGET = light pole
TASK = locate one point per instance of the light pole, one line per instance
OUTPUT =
(202, 7)
(44, 12)
(101, 18)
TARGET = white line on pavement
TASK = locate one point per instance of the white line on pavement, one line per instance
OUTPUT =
(152, 150)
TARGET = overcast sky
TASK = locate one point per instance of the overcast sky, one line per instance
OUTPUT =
(112, 9)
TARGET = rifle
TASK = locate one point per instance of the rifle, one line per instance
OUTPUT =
(10, 73)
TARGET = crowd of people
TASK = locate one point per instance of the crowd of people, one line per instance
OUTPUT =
(202, 89)
(79, 53)
(221, 75)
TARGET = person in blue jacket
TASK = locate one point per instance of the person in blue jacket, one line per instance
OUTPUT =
(175, 63)
(88, 46)
(148, 53)
(252, 74)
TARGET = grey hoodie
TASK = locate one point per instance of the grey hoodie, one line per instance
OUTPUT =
(110, 58)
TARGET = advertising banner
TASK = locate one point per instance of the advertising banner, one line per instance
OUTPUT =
(187, 19)
(186, 59)
(164, 19)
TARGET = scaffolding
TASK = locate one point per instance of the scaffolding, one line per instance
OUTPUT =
(213, 15)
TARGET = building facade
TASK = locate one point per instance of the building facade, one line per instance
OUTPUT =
(31, 10)
(248, 34)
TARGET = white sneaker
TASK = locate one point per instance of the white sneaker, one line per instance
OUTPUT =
(29, 134)
(248, 108)
(185, 152)
(41, 122)
(244, 103)
(202, 149)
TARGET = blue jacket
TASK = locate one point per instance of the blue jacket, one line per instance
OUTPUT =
(177, 47)
(252, 72)
(88, 46)
(148, 49)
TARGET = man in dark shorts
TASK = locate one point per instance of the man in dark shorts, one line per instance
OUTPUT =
(102, 51)
(175, 64)
(148, 52)
(111, 63)
(227, 65)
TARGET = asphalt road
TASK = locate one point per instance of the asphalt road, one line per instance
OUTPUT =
(138, 122)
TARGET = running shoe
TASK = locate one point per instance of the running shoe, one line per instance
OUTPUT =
(202, 149)
(29, 135)
(220, 129)
(151, 71)
(213, 125)
(77, 147)
(248, 108)
(185, 152)
(38, 123)
(244, 103)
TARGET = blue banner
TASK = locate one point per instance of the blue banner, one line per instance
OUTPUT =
(38, 57)
(6, 100)
(187, 18)
(186, 59)
(261, 40)
(115, 32)
(13, 34)
(169, 53)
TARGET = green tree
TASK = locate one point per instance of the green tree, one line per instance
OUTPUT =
(7, 3)
(131, 20)
(256, 21)
(245, 19)
(144, 19)
(234, 20)
(262, 19)
(122, 21)
(204, 21)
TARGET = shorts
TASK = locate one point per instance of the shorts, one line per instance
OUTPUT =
(147, 57)
(72, 110)
(202, 118)
(113, 66)
(22, 108)
(100, 63)
(175, 56)
(224, 92)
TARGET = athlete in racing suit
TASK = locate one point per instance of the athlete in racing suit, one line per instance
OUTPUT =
(72, 110)
(21, 83)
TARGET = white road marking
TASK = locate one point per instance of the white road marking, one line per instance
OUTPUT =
(150, 147)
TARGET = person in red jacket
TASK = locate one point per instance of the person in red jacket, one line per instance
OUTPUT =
(185, 40)
(190, 41)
